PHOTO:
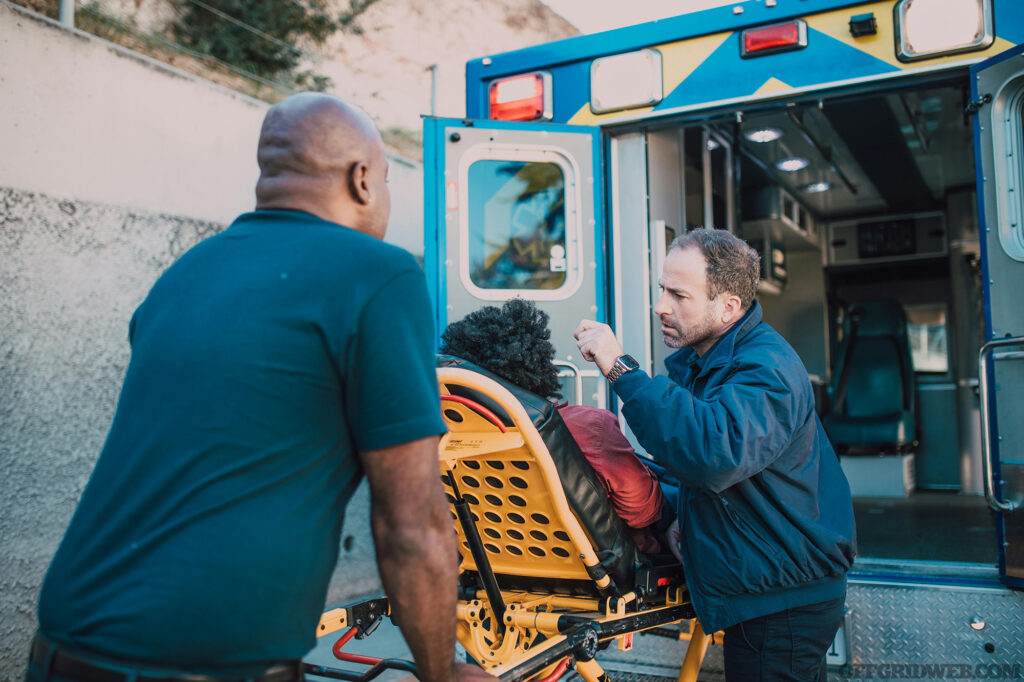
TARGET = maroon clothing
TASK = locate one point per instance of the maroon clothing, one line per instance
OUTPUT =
(632, 488)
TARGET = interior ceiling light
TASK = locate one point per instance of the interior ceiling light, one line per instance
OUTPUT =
(816, 187)
(762, 135)
(792, 164)
(712, 144)
(929, 28)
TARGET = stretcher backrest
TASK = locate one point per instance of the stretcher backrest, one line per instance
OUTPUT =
(537, 503)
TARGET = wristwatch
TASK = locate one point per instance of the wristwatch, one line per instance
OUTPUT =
(623, 364)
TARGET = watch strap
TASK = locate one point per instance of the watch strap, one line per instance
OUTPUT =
(623, 364)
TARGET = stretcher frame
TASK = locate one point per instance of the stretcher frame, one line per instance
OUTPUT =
(512, 518)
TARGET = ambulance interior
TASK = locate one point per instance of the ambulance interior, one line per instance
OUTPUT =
(864, 210)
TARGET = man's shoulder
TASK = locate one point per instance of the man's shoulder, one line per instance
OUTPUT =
(299, 225)
(336, 250)
(763, 338)
(764, 347)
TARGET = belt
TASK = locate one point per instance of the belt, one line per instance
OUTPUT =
(66, 664)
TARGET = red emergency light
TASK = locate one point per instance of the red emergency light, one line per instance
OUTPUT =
(783, 37)
(521, 98)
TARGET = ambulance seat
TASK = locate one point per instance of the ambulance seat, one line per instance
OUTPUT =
(872, 405)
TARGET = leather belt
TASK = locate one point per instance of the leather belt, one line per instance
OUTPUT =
(66, 664)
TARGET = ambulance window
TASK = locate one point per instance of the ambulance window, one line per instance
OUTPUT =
(517, 230)
(926, 327)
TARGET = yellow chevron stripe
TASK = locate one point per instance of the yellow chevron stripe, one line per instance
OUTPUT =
(682, 58)
(883, 44)
(679, 59)
(771, 85)
(585, 117)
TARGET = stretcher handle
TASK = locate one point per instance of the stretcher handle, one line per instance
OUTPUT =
(476, 407)
(377, 665)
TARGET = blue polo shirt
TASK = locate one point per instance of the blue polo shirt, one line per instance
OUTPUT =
(262, 362)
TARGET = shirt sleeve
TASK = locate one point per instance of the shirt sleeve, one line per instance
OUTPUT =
(391, 393)
(740, 428)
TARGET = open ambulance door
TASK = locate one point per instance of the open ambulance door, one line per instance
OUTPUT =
(516, 210)
(997, 94)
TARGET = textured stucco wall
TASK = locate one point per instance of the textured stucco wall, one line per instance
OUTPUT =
(71, 274)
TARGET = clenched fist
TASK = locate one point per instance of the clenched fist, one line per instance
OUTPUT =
(598, 344)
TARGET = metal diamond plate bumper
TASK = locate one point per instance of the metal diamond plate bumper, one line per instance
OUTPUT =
(896, 631)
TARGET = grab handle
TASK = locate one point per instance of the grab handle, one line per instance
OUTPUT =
(986, 435)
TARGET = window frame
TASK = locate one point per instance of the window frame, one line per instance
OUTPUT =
(1008, 144)
(573, 243)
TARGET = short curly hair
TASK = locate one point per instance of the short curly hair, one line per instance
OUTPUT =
(512, 342)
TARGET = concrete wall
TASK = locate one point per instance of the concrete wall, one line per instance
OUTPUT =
(83, 118)
(111, 166)
(87, 119)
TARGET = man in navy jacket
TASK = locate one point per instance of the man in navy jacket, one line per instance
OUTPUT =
(766, 530)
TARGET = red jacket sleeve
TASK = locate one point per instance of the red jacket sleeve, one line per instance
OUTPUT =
(632, 488)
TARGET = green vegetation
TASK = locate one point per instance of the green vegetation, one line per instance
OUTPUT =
(266, 39)
(259, 37)
(255, 47)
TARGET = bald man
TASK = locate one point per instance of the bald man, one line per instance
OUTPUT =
(272, 365)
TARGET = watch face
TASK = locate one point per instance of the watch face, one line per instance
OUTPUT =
(629, 362)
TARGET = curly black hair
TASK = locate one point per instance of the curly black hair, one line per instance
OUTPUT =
(512, 342)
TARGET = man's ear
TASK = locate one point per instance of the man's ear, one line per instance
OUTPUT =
(732, 309)
(358, 185)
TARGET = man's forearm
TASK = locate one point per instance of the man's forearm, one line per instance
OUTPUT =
(418, 567)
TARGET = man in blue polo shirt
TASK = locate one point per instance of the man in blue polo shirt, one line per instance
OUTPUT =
(272, 365)
(765, 519)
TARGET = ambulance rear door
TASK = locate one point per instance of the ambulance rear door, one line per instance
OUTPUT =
(997, 93)
(516, 210)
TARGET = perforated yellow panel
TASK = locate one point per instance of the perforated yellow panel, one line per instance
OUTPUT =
(527, 528)
(522, 528)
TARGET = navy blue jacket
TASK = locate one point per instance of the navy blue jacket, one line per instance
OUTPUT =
(764, 508)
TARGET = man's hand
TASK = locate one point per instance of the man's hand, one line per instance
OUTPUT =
(598, 344)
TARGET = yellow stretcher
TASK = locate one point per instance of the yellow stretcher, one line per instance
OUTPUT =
(542, 585)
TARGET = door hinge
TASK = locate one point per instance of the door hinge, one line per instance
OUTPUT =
(973, 106)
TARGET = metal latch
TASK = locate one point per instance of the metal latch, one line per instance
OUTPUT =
(973, 106)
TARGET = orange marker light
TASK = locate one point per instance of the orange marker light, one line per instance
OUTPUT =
(521, 98)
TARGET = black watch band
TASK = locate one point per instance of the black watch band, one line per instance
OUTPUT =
(623, 364)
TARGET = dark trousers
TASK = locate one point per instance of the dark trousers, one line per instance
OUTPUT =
(788, 645)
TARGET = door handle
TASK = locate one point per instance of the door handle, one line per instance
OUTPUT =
(986, 436)
(571, 368)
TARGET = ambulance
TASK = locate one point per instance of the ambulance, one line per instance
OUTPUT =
(873, 153)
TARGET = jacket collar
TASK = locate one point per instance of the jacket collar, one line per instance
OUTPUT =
(719, 354)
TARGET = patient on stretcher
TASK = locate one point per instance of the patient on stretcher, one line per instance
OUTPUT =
(513, 343)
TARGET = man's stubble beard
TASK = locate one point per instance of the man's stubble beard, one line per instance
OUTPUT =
(694, 335)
